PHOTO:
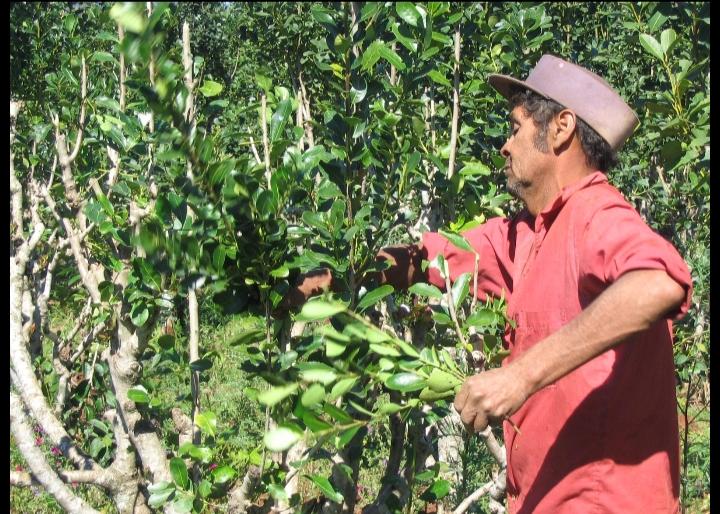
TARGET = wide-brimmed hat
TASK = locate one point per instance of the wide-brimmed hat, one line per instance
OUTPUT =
(580, 90)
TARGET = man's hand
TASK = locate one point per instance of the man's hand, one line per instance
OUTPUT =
(490, 396)
(405, 266)
(307, 285)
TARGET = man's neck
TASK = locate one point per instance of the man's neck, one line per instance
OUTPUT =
(569, 170)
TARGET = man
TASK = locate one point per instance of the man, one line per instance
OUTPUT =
(590, 376)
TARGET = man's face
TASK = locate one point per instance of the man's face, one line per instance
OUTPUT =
(526, 164)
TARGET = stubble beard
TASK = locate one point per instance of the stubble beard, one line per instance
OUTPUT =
(517, 187)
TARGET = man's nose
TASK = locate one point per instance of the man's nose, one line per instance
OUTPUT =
(504, 150)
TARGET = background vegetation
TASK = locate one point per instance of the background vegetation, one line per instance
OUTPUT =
(166, 194)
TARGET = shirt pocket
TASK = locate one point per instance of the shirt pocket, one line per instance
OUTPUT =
(534, 326)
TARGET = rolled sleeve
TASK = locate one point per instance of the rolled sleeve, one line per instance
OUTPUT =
(617, 241)
(490, 242)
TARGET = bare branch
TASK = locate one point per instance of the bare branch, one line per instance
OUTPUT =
(239, 496)
(475, 496)
(81, 124)
(22, 432)
(188, 64)
(456, 104)
(307, 119)
(254, 150)
(15, 187)
(266, 145)
(496, 450)
(65, 164)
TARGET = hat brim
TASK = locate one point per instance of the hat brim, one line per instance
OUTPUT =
(503, 84)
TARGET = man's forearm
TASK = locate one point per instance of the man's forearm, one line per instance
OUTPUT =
(405, 266)
(633, 303)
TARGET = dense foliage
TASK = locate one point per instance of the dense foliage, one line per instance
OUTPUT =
(277, 139)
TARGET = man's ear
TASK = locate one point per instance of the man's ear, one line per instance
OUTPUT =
(563, 128)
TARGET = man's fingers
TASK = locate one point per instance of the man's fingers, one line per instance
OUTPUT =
(461, 398)
(480, 423)
(468, 415)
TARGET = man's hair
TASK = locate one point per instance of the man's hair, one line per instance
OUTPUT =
(598, 153)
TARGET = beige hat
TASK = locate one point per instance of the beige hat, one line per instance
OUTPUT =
(582, 91)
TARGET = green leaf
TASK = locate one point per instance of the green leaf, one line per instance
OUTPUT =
(345, 436)
(314, 423)
(667, 40)
(405, 382)
(183, 503)
(407, 348)
(159, 498)
(392, 57)
(327, 489)
(276, 394)
(279, 120)
(389, 408)
(341, 387)
(220, 170)
(129, 16)
(206, 422)
(70, 22)
(460, 289)
(281, 438)
(317, 372)
(374, 296)
(139, 314)
(204, 488)
(457, 240)
(441, 381)
(358, 90)
(201, 365)
(481, 318)
(179, 472)
(439, 78)
(441, 318)
(138, 394)
(384, 350)
(656, 21)
(439, 489)
(103, 57)
(222, 474)
(651, 46)
(313, 395)
(322, 15)
(161, 486)
(211, 88)
(473, 168)
(264, 82)
(407, 42)
(319, 309)
(336, 413)
(408, 12)
(423, 289)
(371, 54)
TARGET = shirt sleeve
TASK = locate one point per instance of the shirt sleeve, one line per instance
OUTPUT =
(490, 242)
(617, 240)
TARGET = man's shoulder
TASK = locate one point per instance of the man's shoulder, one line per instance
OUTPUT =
(598, 197)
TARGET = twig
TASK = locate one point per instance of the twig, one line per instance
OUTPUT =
(22, 432)
(266, 145)
(254, 151)
(475, 496)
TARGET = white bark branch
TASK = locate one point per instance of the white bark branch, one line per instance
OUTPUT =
(456, 104)
(475, 496)
(266, 145)
(81, 124)
(22, 432)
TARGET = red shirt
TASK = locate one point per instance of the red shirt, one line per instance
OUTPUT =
(603, 438)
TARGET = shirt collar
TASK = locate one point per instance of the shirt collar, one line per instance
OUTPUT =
(547, 215)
